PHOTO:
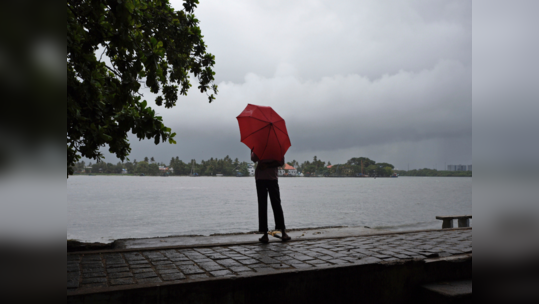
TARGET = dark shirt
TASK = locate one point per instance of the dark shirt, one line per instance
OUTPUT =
(266, 168)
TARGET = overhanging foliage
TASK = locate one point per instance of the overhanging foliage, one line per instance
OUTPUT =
(142, 43)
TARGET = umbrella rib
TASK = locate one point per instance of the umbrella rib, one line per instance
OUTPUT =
(283, 134)
(254, 132)
(280, 130)
(263, 113)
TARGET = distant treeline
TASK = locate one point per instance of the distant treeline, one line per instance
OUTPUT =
(351, 168)
(432, 172)
(229, 167)
(148, 166)
(213, 166)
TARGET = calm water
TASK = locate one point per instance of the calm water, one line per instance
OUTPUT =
(104, 208)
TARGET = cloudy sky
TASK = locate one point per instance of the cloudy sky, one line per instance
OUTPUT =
(389, 80)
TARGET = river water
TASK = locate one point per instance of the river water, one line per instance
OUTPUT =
(105, 208)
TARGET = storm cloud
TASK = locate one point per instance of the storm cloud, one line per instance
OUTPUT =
(388, 80)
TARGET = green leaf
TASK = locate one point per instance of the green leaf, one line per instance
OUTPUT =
(105, 137)
(159, 100)
(130, 6)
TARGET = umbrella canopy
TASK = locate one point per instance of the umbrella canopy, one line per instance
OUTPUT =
(263, 130)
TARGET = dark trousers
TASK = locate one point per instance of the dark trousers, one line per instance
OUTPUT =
(263, 187)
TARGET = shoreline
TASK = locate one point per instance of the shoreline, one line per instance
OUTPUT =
(74, 245)
(163, 243)
(78, 245)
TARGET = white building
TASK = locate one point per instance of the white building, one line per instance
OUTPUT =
(287, 170)
(290, 170)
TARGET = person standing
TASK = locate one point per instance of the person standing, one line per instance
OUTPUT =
(267, 182)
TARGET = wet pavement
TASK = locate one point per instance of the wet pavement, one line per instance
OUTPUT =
(296, 234)
(131, 268)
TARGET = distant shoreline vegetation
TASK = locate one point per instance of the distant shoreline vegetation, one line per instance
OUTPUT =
(433, 172)
(354, 167)
(148, 166)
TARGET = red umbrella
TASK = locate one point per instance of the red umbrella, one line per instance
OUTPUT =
(263, 130)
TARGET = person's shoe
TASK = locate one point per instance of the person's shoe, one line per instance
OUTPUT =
(285, 237)
(264, 239)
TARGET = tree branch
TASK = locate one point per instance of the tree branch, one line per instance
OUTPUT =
(114, 71)
(103, 53)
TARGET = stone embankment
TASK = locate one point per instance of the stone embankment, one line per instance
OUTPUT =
(381, 268)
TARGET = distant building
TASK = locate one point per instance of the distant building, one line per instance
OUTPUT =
(469, 167)
(290, 170)
(456, 167)
(251, 169)
(165, 170)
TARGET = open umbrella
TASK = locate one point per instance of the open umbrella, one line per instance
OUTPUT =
(263, 130)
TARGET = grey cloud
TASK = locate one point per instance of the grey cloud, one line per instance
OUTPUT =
(324, 38)
(389, 81)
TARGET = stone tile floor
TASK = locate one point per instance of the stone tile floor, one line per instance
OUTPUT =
(103, 270)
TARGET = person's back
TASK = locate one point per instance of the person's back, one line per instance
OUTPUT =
(266, 169)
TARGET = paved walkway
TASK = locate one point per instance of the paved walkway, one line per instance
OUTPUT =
(137, 267)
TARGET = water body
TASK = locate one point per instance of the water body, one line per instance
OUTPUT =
(105, 208)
